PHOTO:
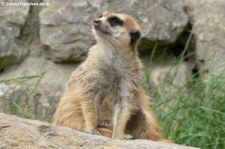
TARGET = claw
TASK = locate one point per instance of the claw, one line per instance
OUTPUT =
(124, 137)
(94, 132)
(128, 137)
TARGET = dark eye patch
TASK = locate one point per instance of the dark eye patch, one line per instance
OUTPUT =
(100, 16)
(115, 21)
(134, 37)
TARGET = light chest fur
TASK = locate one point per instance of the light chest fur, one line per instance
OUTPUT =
(111, 77)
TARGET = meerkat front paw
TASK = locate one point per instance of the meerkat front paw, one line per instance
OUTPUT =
(92, 131)
(128, 137)
(95, 132)
(123, 137)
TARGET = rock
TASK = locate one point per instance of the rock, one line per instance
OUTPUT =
(209, 32)
(165, 70)
(10, 52)
(17, 133)
(65, 29)
(170, 76)
(25, 92)
(13, 18)
(66, 26)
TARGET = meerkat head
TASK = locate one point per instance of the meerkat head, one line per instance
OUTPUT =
(117, 29)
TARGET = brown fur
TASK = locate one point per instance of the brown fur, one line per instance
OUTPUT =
(105, 94)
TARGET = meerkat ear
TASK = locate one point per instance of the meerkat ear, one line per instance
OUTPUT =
(134, 37)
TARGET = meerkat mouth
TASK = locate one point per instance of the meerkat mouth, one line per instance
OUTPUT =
(103, 31)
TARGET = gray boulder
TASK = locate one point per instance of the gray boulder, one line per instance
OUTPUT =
(33, 88)
(17, 133)
(66, 25)
(13, 16)
(207, 18)
(13, 19)
(11, 50)
(170, 76)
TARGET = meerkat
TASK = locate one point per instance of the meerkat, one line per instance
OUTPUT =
(104, 95)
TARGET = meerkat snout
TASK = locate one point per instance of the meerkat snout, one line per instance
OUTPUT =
(96, 23)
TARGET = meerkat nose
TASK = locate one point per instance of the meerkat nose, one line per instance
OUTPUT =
(96, 23)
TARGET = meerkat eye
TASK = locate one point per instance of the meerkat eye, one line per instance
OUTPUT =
(100, 16)
(115, 21)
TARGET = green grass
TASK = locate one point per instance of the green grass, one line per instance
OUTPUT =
(192, 114)
(19, 95)
(195, 118)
